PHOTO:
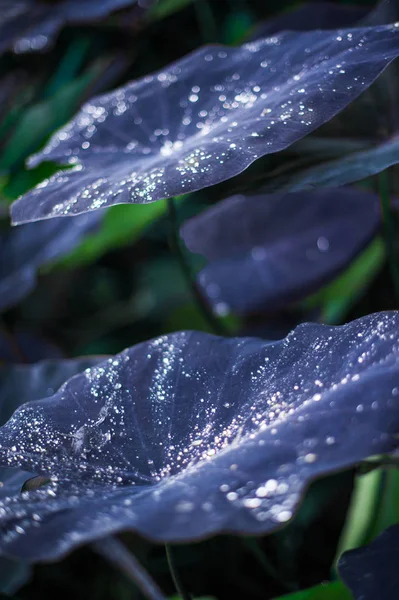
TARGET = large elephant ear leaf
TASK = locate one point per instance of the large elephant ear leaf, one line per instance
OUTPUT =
(190, 434)
(205, 118)
(266, 251)
(371, 572)
(32, 25)
(24, 249)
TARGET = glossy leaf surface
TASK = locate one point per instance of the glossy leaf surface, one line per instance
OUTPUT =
(31, 25)
(266, 251)
(372, 571)
(18, 384)
(205, 118)
(24, 249)
(191, 434)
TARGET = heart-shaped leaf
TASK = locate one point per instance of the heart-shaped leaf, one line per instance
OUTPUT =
(372, 571)
(266, 251)
(205, 118)
(191, 434)
(24, 249)
(32, 25)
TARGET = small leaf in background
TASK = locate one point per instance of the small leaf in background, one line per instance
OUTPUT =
(352, 167)
(371, 572)
(205, 118)
(266, 251)
(32, 25)
(26, 248)
(165, 438)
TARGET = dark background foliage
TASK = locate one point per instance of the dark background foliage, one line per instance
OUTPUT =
(131, 278)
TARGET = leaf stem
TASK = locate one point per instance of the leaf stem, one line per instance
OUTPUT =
(175, 574)
(389, 230)
(117, 554)
(213, 322)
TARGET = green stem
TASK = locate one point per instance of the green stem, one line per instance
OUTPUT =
(389, 230)
(175, 574)
(117, 554)
(203, 306)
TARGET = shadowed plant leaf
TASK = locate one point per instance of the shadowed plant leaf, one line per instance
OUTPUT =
(205, 118)
(32, 25)
(341, 171)
(191, 434)
(372, 571)
(24, 249)
(266, 251)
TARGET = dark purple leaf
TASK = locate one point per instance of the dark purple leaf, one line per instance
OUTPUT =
(205, 118)
(266, 251)
(371, 572)
(347, 169)
(24, 249)
(310, 16)
(18, 384)
(191, 434)
(31, 25)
